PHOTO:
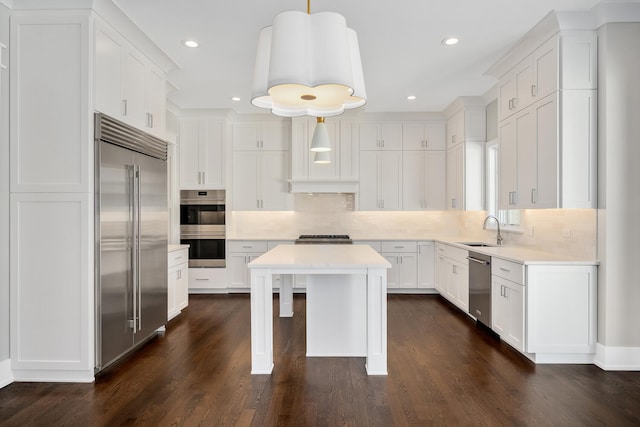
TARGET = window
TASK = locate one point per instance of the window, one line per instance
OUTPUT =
(510, 219)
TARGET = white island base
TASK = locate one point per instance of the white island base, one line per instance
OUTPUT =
(346, 302)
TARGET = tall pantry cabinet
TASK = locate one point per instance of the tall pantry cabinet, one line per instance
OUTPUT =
(55, 84)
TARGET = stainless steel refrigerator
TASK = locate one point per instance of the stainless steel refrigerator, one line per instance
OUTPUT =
(131, 238)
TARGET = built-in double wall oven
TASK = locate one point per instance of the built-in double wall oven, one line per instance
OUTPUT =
(202, 226)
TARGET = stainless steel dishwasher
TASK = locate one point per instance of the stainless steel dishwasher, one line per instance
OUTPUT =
(480, 287)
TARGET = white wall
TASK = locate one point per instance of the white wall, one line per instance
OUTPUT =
(619, 186)
(4, 188)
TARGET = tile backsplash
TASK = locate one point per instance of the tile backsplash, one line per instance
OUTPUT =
(565, 231)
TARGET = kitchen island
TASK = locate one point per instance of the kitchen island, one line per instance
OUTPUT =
(346, 302)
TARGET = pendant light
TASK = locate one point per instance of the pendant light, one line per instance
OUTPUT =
(320, 141)
(308, 64)
(322, 157)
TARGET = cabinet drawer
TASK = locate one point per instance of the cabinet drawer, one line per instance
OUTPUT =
(403, 246)
(248, 246)
(273, 243)
(507, 270)
(178, 257)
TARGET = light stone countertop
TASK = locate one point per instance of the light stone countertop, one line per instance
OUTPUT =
(517, 254)
(321, 256)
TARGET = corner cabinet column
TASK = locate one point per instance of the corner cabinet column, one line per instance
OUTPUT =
(51, 181)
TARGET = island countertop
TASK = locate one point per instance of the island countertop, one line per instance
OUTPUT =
(321, 256)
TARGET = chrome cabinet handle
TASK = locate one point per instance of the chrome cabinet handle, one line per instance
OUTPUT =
(124, 107)
(534, 90)
(534, 195)
(506, 270)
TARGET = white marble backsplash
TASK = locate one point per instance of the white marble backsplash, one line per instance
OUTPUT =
(562, 231)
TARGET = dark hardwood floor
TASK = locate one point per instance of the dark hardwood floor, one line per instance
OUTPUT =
(443, 370)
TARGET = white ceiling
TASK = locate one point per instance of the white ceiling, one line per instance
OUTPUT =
(400, 45)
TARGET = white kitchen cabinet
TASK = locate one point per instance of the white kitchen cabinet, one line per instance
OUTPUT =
(545, 165)
(404, 264)
(440, 264)
(465, 176)
(507, 302)
(178, 282)
(380, 136)
(424, 136)
(201, 144)
(426, 265)
(207, 280)
(380, 180)
(240, 254)
(260, 181)
(128, 86)
(259, 136)
(423, 178)
(452, 275)
(468, 124)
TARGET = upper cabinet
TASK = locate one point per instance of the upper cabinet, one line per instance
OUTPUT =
(128, 86)
(547, 124)
(423, 136)
(260, 136)
(468, 124)
(380, 136)
(201, 145)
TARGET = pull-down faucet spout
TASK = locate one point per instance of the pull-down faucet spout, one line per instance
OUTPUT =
(484, 227)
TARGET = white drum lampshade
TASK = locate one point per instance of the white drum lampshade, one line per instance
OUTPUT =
(308, 64)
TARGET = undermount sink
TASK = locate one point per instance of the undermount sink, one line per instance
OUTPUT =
(477, 244)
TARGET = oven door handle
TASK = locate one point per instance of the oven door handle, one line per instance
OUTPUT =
(202, 236)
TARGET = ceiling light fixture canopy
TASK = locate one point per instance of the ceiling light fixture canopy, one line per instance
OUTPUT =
(308, 64)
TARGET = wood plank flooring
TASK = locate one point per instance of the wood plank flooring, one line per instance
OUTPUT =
(443, 370)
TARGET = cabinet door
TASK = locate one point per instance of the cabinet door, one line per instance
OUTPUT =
(506, 89)
(408, 271)
(188, 142)
(393, 273)
(391, 136)
(527, 162)
(369, 198)
(108, 73)
(246, 136)
(546, 130)
(390, 180)
(455, 178)
(436, 134)
(156, 102)
(499, 309)
(545, 69)
(413, 180)
(414, 136)
(523, 79)
(272, 137)
(369, 137)
(182, 287)
(134, 85)
(274, 187)
(461, 278)
(508, 164)
(246, 170)
(434, 180)
(515, 302)
(173, 277)
(238, 271)
(426, 265)
(212, 156)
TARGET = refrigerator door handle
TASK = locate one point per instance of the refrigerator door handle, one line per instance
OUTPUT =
(134, 251)
(138, 278)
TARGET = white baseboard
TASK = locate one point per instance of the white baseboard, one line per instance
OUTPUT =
(617, 358)
(51, 376)
(6, 374)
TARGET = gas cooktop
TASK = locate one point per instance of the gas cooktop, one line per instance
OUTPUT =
(331, 239)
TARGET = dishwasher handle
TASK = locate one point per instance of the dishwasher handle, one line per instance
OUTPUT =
(478, 261)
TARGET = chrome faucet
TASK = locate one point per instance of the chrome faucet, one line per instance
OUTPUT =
(484, 227)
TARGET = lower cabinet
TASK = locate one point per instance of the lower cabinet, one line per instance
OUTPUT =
(507, 304)
(426, 270)
(452, 275)
(403, 257)
(178, 282)
(242, 253)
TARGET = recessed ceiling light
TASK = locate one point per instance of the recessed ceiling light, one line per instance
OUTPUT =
(190, 43)
(411, 97)
(235, 98)
(450, 41)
